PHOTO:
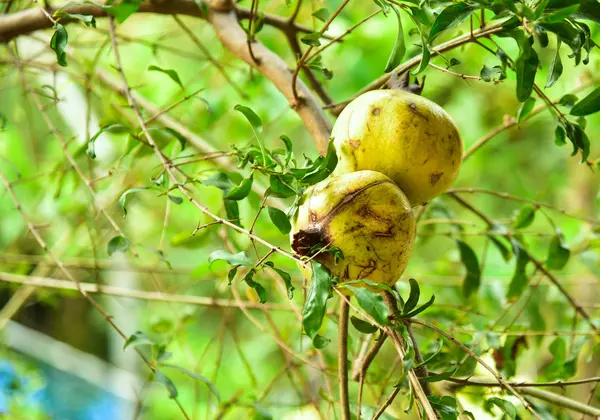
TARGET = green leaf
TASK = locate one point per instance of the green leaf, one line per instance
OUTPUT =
(425, 53)
(506, 406)
(560, 135)
(232, 211)
(123, 10)
(258, 288)
(287, 279)
(322, 14)
(231, 274)
(526, 67)
(399, 48)
(280, 220)
(419, 309)
(282, 186)
(58, 43)
(138, 338)
(110, 128)
(413, 297)
(432, 356)
(117, 244)
(320, 342)
(525, 217)
(316, 299)
(561, 14)
(220, 180)
(312, 39)
(437, 378)
(525, 109)
(504, 251)
(197, 376)
(241, 191)
(363, 326)
(556, 67)
(251, 116)
(232, 259)
(472, 279)
(88, 20)
(161, 378)
(558, 253)
(175, 199)
(383, 5)
(372, 303)
(178, 136)
(169, 72)
(123, 198)
(324, 169)
(519, 279)
(588, 105)
(580, 140)
(450, 17)
(492, 74)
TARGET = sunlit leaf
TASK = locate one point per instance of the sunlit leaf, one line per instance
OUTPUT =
(139, 338)
(232, 259)
(241, 191)
(450, 17)
(251, 116)
(588, 105)
(472, 279)
(372, 303)
(363, 326)
(280, 220)
(315, 305)
(525, 109)
(58, 43)
(506, 406)
(117, 244)
(197, 376)
(399, 48)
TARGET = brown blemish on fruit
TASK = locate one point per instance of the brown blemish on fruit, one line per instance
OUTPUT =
(376, 111)
(415, 110)
(435, 177)
(354, 143)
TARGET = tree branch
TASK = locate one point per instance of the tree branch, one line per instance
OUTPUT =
(343, 359)
(275, 69)
(31, 20)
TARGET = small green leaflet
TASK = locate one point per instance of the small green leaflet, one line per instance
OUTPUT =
(558, 253)
(169, 72)
(233, 259)
(108, 128)
(287, 279)
(413, 297)
(58, 43)
(363, 326)
(138, 338)
(88, 20)
(123, 10)
(560, 135)
(556, 67)
(251, 116)
(161, 378)
(117, 244)
(260, 290)
(506, 406)
(322, 14)
(525, 217)
(450, 17)
(312, 39)
(561, 14)
(588, 105)
(526, 66)
(123, 199)
(241, 191)
(525, 109)
(280, 220)
(439, 377)
(220, 180)
(472, 280)
(315, 306)
(372, 303)
(197, 376)
(519, 279)
(282, 185)
(399, 49)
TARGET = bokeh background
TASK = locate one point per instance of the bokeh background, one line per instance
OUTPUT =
(60, 359)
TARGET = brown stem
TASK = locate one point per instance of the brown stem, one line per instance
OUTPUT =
(343, 358)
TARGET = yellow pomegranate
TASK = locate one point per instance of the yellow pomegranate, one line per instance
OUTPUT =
(402, 135)
(366, 216)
